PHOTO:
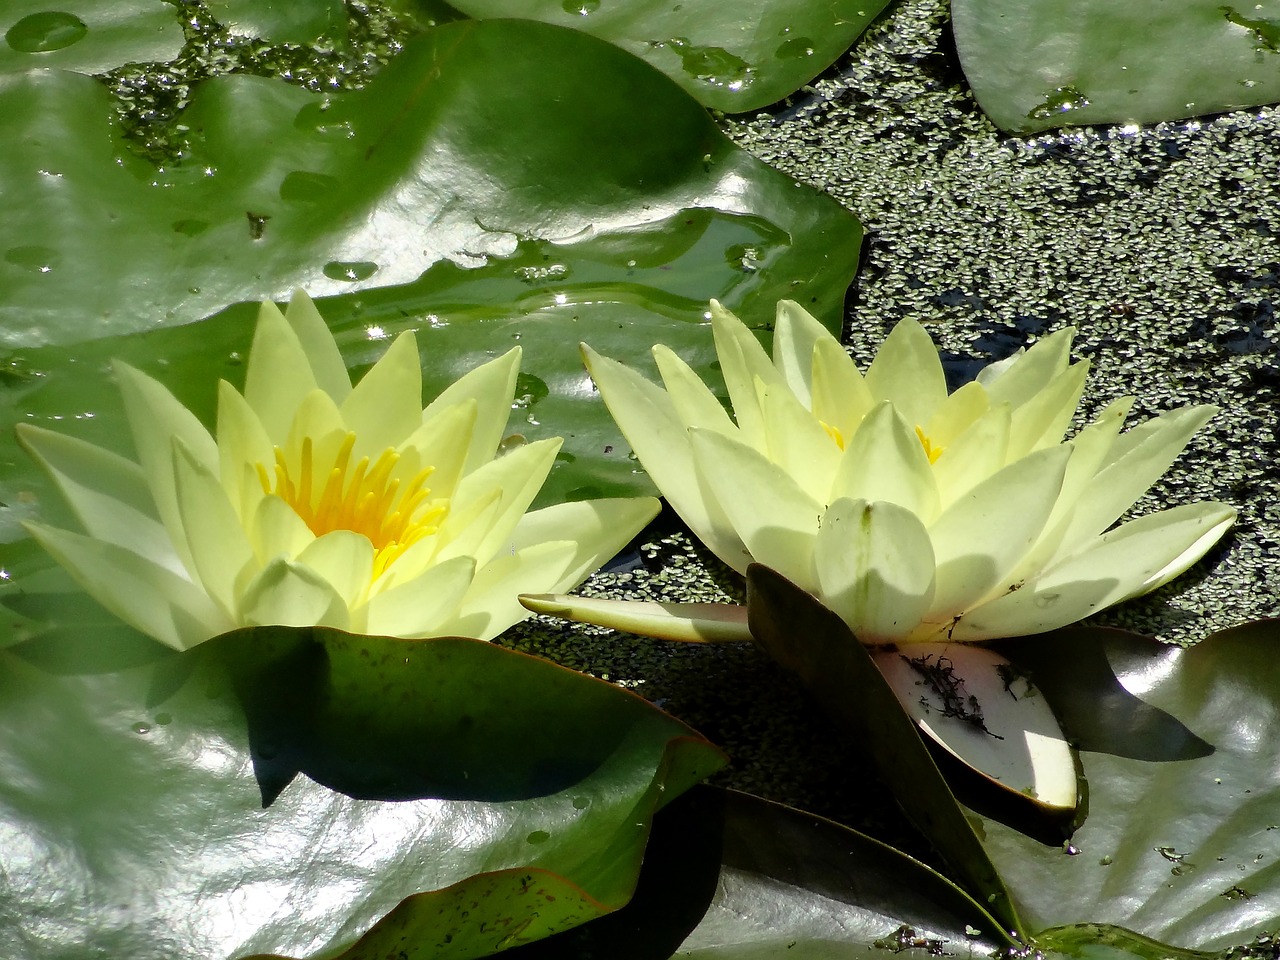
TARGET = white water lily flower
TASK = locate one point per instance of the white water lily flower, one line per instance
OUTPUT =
(320, 503)
(923, 519)
(914, 514)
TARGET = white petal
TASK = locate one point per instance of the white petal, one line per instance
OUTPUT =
(875, 568)
(108, 493)
(492, 604)
(597, 528)
(742, 362)
(220, 550)
(386, 405)
(423, 605)
(690, 622)
(1017, 379)
(770, 512)
(1007, 732)
(907, 371)
(344, 559)
(289, 594)
(981, 537)
(491, 385)
(143, 594)
(1134, 462)
(795, 334)
(840, 396)
(1123, 563)
(648, 419)
(279, 373)
(155, 419)
(797, 443)
(1043, 420)
(519, 475)
(323, 357)
(886, 461)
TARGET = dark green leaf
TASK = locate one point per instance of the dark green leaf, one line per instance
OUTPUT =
(730, 875)
(808, 639)
(155, 804)
(1035, 64)
(1181, 749)
(731, 56)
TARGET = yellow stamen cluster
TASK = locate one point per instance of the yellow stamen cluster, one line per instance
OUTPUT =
(365, 498)
(930, 451)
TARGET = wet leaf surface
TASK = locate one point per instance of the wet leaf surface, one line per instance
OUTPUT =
(155, 804)
(733, 57)
(1036, 65)
(1181, 842)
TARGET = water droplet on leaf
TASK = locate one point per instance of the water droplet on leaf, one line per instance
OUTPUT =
(46, 31)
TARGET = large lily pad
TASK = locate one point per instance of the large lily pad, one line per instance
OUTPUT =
(1035, 64)
(731, 56)
(476, 137)
(1181, 748)
(282, 791)
(86, 35)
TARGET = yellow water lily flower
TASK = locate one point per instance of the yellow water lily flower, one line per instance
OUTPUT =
(319, 503)
(914, 513)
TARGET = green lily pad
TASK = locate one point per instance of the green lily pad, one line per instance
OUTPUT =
(294, 792)
(1036, 64)
(733, 57)
(85, 35)
(805, 637)
(1181, 748)
(476, 137)
(294, 21)
(730, 875)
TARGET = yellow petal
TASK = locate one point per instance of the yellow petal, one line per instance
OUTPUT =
(886, 461)
(108, 493)
(648, 418)
(491, 386)
(795, 335)
(156, 418)
(422, 606)
(385, 407)
(770, 512)
(219, 549)
(690, 622)
(287, 593)
(907, 371)
(140, 592)
(323, 357)
(278, 375)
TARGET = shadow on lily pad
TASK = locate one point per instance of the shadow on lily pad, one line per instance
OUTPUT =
(449, 718)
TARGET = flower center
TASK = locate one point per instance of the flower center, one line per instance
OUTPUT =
(834, 433)
(930, 451)
(365, 498)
